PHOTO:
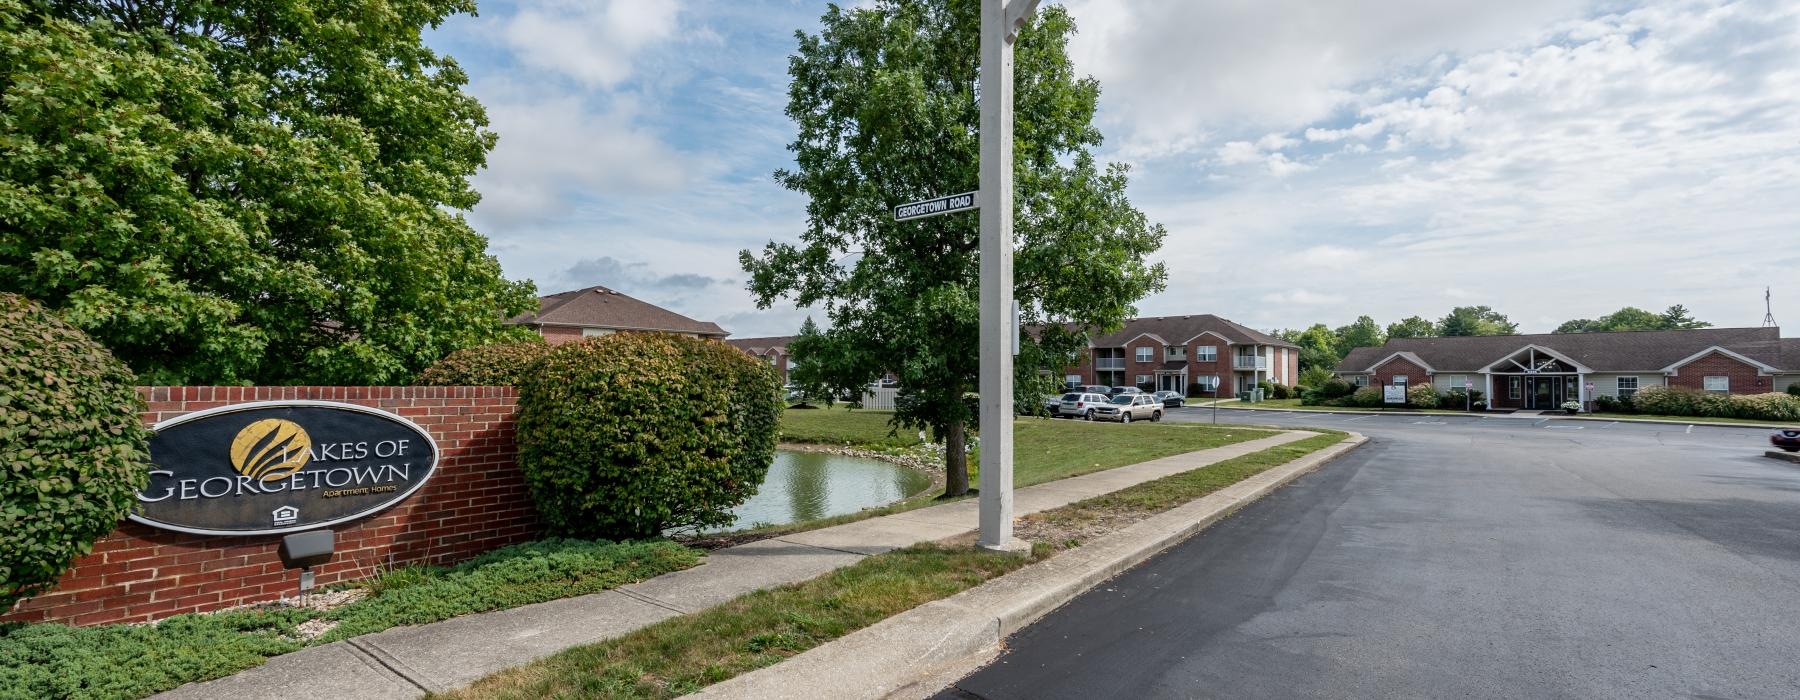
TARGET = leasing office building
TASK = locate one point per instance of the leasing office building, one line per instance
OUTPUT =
(1543, 371)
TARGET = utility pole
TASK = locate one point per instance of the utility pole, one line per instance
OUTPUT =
(1000, 23)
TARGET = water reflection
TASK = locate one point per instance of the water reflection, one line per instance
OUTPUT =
(811, 485)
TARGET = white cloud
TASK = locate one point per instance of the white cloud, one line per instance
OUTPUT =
(554, 150)
(593, 41)
(1176, 68)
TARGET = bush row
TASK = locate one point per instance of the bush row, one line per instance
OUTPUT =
(1340, 393)
(1682, 401)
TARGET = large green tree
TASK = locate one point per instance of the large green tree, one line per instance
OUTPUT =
(1412, 327)
(247, 192)
(1362, 333)
(1631, 318)
(1319, 346)
(1475, 320)
(884, 100)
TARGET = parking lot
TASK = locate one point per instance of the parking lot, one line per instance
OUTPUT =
(1457, 556)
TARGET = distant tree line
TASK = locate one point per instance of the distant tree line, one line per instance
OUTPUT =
(1322, 347)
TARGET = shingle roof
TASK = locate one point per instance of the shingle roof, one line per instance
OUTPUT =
(1180, 329)
(1601, 352)
(777, 343)
(599, 307)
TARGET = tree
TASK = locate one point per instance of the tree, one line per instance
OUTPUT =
(271, 193)
(1318, 346)
(1363, 333)
(884, 99)
(1632, 318)
(806, 373)
(1475, 320)
(1412, 327)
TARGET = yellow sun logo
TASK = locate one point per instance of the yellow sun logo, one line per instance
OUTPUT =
(271, 449)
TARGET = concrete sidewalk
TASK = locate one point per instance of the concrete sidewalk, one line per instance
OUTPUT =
(406, 662)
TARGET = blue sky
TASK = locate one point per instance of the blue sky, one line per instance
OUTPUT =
(1312, 161)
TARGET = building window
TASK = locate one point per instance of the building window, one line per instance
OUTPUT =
(1142, 379)
(1175, 353)
(1399, 380)
(1459, 382)
(1513, 387)
(1206, 353)
(595, 332)
(1362, 380)
(1721, 385)
(1143, 354)
(1628, 386)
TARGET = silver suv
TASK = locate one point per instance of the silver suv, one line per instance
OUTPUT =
(1126, 408)
(1080, 405)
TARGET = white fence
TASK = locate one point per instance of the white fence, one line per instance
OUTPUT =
(879, 398)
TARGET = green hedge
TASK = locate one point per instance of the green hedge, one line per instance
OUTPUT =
(1680, 401)
(73, 451)
(632, 434)
(1422, 396)
(500, 364)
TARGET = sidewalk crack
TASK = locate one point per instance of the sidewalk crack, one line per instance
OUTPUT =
(392, 665)
(634, 595)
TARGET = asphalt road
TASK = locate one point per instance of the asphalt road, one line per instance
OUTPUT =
(1457, 556)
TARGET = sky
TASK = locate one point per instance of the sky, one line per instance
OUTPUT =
(1312, 161)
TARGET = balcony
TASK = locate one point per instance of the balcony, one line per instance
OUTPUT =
(1109, 363)
(1250, 362)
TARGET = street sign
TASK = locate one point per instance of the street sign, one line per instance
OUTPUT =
(933, 207)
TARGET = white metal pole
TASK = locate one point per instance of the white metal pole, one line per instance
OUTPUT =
(998, 24)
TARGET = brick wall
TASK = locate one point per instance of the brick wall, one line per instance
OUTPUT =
(1744, 379)
(557, 335)
(475, 502)
(1415, 375)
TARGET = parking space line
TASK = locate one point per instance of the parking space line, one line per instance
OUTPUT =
(1690, 428)
(1564, 427)
(1429, 422)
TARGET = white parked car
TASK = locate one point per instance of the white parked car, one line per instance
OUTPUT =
(1126, 408)
(1080, 405)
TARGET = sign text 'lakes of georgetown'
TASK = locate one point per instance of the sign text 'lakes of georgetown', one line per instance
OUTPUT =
(280, 466)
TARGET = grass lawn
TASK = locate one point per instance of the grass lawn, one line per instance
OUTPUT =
(1681, 419)
(131, 661)
(684, 654)
(1153, 497)
(1044, 449)
(1294, 405)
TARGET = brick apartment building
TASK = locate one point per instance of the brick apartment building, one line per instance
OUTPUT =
(1543, 371)
(771, 349)
(597, 311)
(1172, 352)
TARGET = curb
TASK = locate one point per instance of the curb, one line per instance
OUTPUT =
(915, 653)
(1360, 413)
(1479, 414)
(1661, 421)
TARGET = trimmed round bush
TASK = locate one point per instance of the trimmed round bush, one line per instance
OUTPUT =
(73, 452)
(500, 364)
(1366, 397)
(1422, 396)
(633, 434)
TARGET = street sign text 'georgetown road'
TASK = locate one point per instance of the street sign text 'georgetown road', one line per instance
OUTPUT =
(933, 207)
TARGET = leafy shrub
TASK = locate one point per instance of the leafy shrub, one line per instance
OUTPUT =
(1333, 388)
(1794, 389)
(1279, 392)
(1681, 401)
(631, 434)
(1196, 390)
(1613, 404)
(1422, 396)
(1146, 387)
(500, 364)
(1314, 376)
(1268, 388)
(72, 450)
(1366, 397)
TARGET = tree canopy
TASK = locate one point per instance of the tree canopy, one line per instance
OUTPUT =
(222, 192)
(1412, 327)
(884, 101)
(1475, 320)
(1631, 318)
(1363, 333)
(1319, 346)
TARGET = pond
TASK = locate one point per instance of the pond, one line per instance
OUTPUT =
(811, 485)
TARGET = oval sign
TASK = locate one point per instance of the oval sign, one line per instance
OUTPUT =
(271, 467)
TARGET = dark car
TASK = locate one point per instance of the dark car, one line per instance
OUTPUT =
(1171, 399)
(1787, 439)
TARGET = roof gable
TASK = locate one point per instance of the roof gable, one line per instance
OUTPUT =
(1191, 327)
(600, 307)
(1624, 351)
